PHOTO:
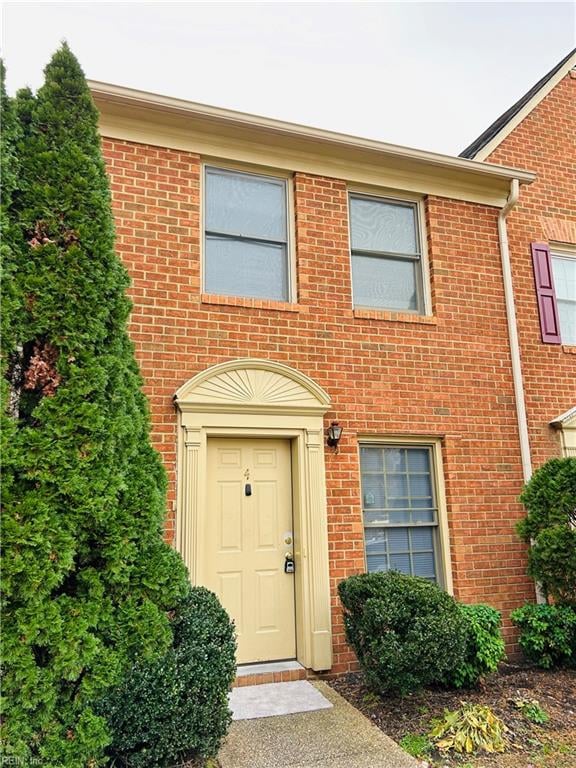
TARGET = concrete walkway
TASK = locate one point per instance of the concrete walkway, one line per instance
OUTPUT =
(339, 737)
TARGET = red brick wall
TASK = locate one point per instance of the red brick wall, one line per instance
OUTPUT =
(544, 142)
(448, 376)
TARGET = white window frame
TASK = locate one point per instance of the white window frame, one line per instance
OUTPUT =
(561, 251)
(434, 444)
(394, 196)
(265, 173)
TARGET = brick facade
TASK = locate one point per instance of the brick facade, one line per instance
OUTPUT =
(544, 142)
(447, 375)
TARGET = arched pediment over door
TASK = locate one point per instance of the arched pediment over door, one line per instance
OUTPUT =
(261, 386)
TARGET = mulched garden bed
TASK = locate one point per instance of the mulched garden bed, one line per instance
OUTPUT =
(530, 746)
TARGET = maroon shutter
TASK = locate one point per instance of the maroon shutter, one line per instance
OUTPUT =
(542, 263)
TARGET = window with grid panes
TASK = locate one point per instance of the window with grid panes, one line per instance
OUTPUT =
(400, 509)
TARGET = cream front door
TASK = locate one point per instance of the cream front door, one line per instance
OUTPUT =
(248, 532)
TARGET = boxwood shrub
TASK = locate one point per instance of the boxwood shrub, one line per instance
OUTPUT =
(547, 634)
(406, 631)
(484, 646)
(175, 708)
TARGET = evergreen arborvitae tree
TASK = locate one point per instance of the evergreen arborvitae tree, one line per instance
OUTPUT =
(8, 250)
(87, 579)
(550, 528)
(10, 238)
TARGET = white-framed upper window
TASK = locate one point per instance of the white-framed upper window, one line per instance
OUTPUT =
(405, 528)
(246, 235)
(564, 273)
(386, 250)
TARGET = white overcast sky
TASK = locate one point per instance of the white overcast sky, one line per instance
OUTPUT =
(422, 74)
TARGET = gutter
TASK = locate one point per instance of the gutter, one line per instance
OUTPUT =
(513, 331)
(515, 347)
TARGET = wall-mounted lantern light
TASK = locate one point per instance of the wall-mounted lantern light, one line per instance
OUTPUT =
(334, 435)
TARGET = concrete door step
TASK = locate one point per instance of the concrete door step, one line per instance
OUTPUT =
(273, 699)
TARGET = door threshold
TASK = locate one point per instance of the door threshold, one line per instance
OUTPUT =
(270, 672)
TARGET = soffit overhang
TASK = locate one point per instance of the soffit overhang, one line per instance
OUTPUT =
(215, 133)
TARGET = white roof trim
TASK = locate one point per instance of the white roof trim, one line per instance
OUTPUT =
(526, 110)
(107, 92)
(565, 419)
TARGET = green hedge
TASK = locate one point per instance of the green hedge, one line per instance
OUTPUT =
(176, 708)
(484, 646)
(547, 634)
(406, 631)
